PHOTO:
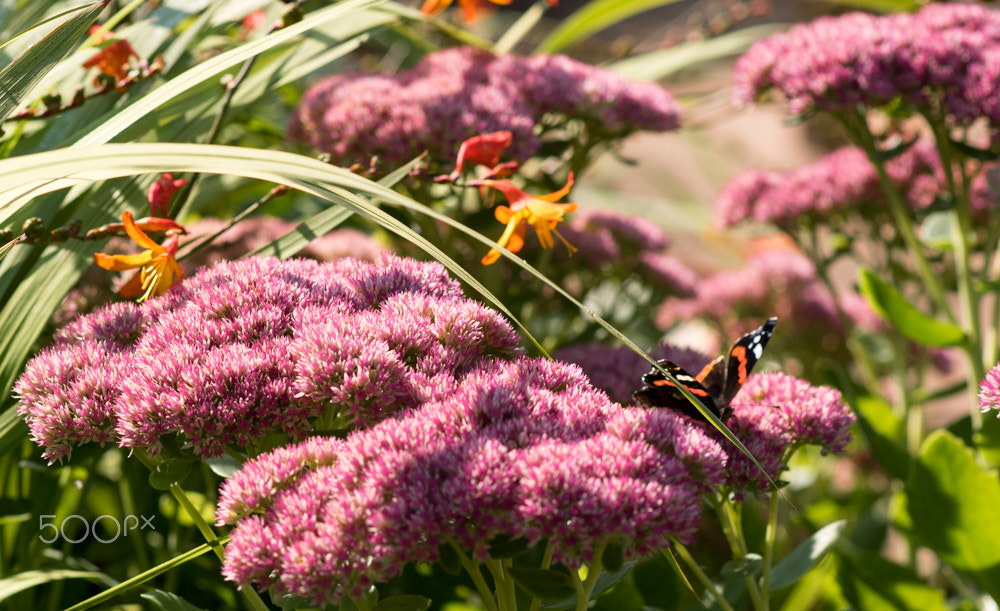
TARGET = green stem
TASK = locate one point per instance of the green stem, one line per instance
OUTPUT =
(770, 536)
(729, 518)
(968, 297)
(506, 598)
(586, 588)
(472, 568)
(702, 577)
(858, 130)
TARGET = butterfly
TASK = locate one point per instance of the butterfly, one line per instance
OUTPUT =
(715, 385)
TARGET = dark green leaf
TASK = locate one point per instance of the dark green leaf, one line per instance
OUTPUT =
(748, 566)
(806, 556)
(896, 151)
(170, 472)
(544, 584)
(404, 602)
(604, 583)
(913, 323)
(872, 583)
(448, 559)
(973, 152)
(951, 501)
(21, 75)
(168, 601)
(505, 547)
(613, 556)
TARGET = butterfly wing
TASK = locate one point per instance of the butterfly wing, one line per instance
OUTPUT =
(742, 357)
(658, 391)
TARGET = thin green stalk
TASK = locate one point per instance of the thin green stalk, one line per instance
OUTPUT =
(472, 568)
(586, 589)
(702, 577)
(504, 585)
(770, 536)
(968, 297)
(729, 518)
(900, 213)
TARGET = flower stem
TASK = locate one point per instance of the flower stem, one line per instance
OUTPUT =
(770, 535)
(586, 588)
(702, 577)
(472, 568)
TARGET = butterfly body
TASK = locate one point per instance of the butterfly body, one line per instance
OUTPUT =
(715, 385)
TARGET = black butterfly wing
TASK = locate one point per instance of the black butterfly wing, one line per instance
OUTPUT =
(658, 391)
(742, 357)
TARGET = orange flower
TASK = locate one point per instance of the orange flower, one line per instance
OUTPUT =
(469, 7)
(538, 211)
(161, 192)
(114, 59)
(158, 267)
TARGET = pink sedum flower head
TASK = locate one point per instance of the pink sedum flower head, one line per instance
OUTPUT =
(841, 183)
(773, 415)
(256, 347)
(943, 56)
(522, 449)
(461, 93)
(989, 391)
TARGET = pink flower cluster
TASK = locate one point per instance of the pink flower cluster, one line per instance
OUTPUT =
(773, 415)
(259, 346)
(843, 181)
(989, 391)
(458, 93)
(945, 56)
(777, 282)
(523, 449)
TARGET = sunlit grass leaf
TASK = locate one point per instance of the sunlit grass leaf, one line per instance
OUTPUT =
(9, 586)
(661, 63)
(884, 6)
(13, 430)
(594, 17)
(911, 322)
(21, 75)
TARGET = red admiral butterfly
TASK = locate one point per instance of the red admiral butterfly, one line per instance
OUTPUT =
(715, 385)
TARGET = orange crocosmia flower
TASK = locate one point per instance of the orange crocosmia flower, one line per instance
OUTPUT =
(470, 8)
(161, 192)
(114, 59)
(539, 211)
(158, 267)
(484, 149)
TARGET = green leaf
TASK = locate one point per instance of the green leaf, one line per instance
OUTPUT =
(911, 322)
(170, 472)
(806, 556)
(872, 583)
(896, 151)
(544, 584)
(750, 565)
(21, 75)
(9, 586)
(13, 430)
(951, 501)
(505, 547)
(613, 556)
(594, 17)
(224, 466)
(937, 230)
(605, 582)
(168, 601)
(658, 64)
(404, 602)
(973, 152)
(884, 433)
(449, 560)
